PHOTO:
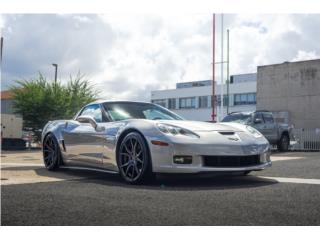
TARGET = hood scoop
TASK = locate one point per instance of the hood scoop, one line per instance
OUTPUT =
(227, 133)
(198, 126)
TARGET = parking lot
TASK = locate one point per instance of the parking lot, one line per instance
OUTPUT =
(288, 193)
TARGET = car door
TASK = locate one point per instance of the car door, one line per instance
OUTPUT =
(270, 127)
(83, 142)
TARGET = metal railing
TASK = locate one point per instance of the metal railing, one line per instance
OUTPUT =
(306, 139)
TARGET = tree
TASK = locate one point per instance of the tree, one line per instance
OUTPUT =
(39, 100)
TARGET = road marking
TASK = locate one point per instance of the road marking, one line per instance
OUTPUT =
(284, 158)
(294, 180)
(21, 164)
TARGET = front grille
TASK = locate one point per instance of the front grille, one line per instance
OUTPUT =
(231, 161)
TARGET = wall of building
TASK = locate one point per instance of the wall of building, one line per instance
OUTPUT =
(7, 106)
(292, 87)
(204, 114)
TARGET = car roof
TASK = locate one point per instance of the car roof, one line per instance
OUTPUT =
(245, 113)
(249, 112)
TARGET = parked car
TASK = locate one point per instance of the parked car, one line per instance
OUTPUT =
(138, 139)
(276, 133)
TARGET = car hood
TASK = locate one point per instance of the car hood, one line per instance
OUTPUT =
(198, 126)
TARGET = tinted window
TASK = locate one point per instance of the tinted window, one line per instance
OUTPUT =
(245, 99)
(127, 110)
(268, 118)
(171, 103)
(258, 115)
(93, 111)
(187, 102)
(161, 102)
(203, 101)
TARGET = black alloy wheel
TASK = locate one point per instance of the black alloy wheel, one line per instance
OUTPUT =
(133, 159)
(51, 152)
(283, 144)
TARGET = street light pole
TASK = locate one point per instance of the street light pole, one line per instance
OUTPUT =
(1, 54)
(228, 80)
(1, 48)
(221, 95)
(56, 73)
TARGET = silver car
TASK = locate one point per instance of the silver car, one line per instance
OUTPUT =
(139, 139)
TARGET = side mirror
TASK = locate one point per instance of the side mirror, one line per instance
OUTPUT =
(257, 121)
(87, 119)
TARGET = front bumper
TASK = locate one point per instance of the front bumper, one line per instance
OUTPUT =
(162, 157)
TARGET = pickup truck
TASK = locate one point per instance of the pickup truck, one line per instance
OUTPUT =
(276, 133)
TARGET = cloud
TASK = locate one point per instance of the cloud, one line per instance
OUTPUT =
(127, 56)
(1, 22)
(303, 55)
(33, 42)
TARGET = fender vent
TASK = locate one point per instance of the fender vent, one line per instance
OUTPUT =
(64, 147)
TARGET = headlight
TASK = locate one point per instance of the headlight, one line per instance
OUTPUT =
(174, 130)
(254, 132)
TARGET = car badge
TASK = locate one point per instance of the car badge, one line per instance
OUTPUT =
(233, 138)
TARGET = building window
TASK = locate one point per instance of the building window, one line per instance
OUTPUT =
(203, 101)
(161, 102)
(187, 102)
(225, 100)
(245, 99)
(252, 98)
(172, 103)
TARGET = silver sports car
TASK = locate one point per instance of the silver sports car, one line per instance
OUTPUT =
(138, 139)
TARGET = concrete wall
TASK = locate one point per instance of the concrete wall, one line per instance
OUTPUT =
(293, 88)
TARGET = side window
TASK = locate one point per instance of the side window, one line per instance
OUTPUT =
(268, 118)
(258, 115)
(93, 111)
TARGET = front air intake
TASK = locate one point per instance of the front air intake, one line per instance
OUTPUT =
(231, 161)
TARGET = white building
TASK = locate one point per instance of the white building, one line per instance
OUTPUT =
(192, 100)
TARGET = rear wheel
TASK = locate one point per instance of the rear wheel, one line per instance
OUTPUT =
(51, 152)
(283, 144)
(133, 159)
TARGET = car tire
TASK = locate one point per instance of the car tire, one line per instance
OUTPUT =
(283, 144)
(134, 159)
(245, 173)
(51, 152)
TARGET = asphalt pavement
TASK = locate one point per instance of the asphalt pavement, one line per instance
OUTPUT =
(286, 194)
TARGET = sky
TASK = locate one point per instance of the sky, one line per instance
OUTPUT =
(128, 56)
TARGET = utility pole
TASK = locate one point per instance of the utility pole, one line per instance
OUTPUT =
(221, 95)
(228, 80)
(1, 49)
(55, 74)
(1, 52)
(213, 98)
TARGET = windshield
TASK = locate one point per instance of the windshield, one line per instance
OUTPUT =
(238, 117)
(127, 110)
